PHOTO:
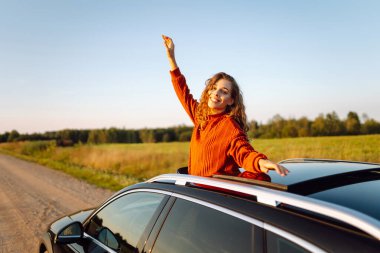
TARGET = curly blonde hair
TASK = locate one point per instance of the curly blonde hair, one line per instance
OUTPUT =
(235, 111)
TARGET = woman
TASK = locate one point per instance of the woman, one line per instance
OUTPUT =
(219, 143)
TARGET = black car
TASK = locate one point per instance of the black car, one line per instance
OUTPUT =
(321, 206)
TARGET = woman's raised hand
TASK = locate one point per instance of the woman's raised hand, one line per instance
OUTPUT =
(169, 45)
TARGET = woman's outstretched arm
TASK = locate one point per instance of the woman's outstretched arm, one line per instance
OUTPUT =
(169, 45)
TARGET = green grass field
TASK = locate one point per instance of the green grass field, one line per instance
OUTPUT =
(114, 166)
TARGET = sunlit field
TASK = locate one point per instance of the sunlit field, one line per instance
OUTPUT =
(114, 166)
(365, 148)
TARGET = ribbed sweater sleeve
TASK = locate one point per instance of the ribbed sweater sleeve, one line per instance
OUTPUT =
(243, 153)
(183, 93)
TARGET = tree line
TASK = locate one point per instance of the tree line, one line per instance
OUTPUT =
(278, 127)
(324, 125)
(69, 137)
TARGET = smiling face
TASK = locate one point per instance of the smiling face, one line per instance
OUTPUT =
(219, 96)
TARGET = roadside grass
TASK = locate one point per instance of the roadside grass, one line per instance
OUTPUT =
(111, 166)
(114, 166)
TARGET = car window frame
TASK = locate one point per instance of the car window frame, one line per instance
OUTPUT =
(256, 231)
(144, 236)
(260, 226)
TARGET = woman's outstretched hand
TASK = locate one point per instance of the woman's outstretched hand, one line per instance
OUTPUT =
(169, 45)
(266, 165)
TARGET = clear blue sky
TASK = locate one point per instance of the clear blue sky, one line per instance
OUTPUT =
(94, 64)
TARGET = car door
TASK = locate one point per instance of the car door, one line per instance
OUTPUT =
(122, 224)
(194, 226)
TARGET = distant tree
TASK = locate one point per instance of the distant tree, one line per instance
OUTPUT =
(158, 135)
(185, 136)
(69, 137)
(334, 125)
(182, 133)
(304, 127)
(290, 129)
(13, 136)
(352, 123)
(4, 137)
(318, 127)
(133, 136)
(51, 135)
(147, 135)
(33, 137)
(97, 136)
(113, 135)
(83, 136)
(275, 126)
(167, 138)
(169, 135)
(64, 138)
(370, 126)
(254, 129)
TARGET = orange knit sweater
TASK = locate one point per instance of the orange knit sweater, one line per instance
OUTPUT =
(222, 147)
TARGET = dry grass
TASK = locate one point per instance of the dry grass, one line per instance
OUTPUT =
(137, 160)
(116, 165)
(364, 148)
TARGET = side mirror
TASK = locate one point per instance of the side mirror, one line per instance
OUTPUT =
(70, 234)
(107, 237)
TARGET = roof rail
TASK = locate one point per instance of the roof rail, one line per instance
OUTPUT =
(272, 197)
(303, 160)
(267, 184)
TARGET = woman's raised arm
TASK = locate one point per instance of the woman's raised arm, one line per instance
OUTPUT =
(169, 45)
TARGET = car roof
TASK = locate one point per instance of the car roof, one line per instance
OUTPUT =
(339, 184)
(361, 196)
(302, 170)
(350, 184)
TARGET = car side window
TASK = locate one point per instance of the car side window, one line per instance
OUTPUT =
(192, 228)
(278, 244)
(121, 223)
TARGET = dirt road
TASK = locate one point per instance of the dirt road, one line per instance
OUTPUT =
(31, 196)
